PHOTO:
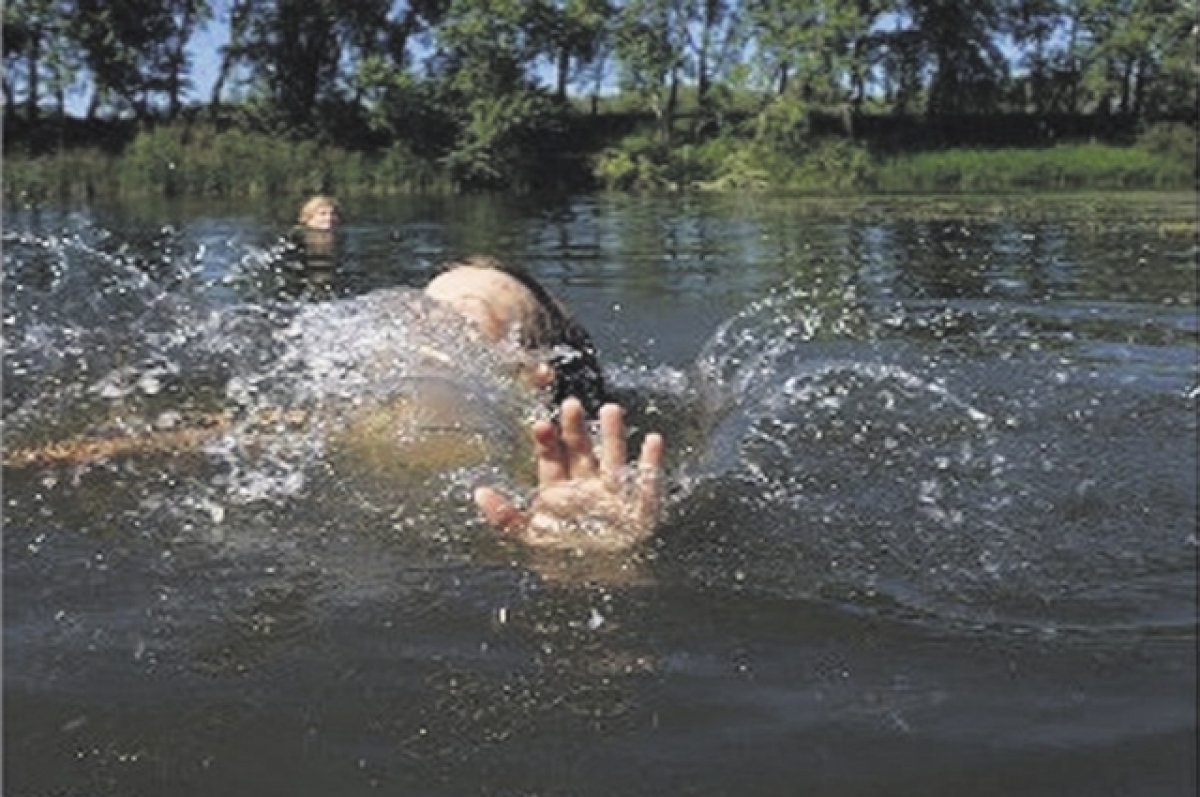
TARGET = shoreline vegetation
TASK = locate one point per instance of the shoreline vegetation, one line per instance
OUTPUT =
(203, 160)
(392, 97)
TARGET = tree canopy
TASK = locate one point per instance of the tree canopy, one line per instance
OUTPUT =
(477, 82)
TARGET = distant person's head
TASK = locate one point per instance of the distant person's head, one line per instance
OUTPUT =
(506, 303)
(320, 213)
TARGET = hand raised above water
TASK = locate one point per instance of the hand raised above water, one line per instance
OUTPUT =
(584, 499)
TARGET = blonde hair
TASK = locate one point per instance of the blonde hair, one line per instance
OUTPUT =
(310, 208)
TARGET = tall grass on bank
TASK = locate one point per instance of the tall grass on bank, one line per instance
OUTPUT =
(200, 161)
(78, 173)
(1067, 166)
(1163, 158)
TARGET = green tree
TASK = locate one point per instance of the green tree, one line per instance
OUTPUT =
(36, 46)
(1034, 26)
(815, 53)
(136, 49)
(652, 45)
(574, 31)
(233, 52)
(293, 49)
(482, 69)
(959, 45)
(864, 44)
(792, 40)
(716, 37)
(1176, 77)
(186, 16)
(1131, 44)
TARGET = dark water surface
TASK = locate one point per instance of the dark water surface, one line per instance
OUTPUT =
(932, 525)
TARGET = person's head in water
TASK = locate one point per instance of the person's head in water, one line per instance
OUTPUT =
(320, 213)
(504, 301)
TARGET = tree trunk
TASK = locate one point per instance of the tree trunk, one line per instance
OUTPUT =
(214, 99)
(34, 59)
(173, 95)
(1072, 41)
(178, 59)
(858, 84)
(9, 101)
(703, 79)
(93, 109)
(1127, 86)
(141, 108)
(564, 70)
(1139, 87)
(668, 118)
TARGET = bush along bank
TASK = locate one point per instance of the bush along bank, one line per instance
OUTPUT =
(1164, 157)
(202, 161)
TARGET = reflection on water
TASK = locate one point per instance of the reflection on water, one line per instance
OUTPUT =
(931, 525)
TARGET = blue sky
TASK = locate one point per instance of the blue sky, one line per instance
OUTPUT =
(206, 57)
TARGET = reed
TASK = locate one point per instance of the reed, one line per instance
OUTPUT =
(70, 174)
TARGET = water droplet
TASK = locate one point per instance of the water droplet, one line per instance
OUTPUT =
(595, 620)
(149, 384)
(74, 724)
(168, 420)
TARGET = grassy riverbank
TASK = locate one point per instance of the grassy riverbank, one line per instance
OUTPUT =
(1065, 167)
(1162, 158)
(200, 161)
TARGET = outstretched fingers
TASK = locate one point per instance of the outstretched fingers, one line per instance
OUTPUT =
(582, 486)
(576, 442)
(612, 445)
(548, 450)
(649, 481)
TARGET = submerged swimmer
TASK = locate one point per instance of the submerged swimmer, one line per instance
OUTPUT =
(583, 498)
(586, 497)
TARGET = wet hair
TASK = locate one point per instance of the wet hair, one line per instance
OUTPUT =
(310, 208)
(573, 357)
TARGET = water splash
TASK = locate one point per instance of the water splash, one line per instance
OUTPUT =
(911, 479)
(113, 344)
(974, 463)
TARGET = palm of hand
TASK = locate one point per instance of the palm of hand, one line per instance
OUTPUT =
(584, 500)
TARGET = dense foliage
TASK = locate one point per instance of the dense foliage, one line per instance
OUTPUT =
(382, 95)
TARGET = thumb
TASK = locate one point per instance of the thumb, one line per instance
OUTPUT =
(498, 511)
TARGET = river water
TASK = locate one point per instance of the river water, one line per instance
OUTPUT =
(931, 524)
